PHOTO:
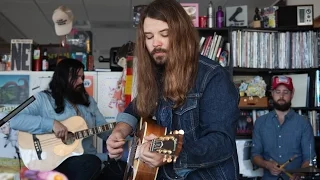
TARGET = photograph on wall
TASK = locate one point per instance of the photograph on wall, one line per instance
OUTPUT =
(110, 94)
(192, 10)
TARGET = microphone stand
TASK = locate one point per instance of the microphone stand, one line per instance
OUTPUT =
(16, 110)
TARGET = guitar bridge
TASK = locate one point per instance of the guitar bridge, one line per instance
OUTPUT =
(37, 146)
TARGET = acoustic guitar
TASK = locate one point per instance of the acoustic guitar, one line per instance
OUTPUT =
(170, 145)
(45, 152)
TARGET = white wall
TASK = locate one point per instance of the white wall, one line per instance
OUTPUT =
(316, 5)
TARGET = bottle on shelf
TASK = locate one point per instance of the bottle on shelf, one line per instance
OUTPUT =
(219, 18)
(36, 63)
(45, 63)
(210, 15)
(256, 19)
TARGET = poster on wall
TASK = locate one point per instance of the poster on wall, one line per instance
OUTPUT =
(39, 81)
(89, 82)
(14, 89)
(110, 94)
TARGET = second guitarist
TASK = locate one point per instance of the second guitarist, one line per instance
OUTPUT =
(65, 98)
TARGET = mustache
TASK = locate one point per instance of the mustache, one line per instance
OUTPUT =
(158, 50)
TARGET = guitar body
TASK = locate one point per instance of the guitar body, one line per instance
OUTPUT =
(45, 152)
(169, 145)
(142, 170)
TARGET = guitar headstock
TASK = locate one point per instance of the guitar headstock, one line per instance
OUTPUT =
(170, 145)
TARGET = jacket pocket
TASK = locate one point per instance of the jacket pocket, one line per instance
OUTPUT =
(187, 115)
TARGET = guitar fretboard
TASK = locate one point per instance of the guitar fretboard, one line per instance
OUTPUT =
(93, 131)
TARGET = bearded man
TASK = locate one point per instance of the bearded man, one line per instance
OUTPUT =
(282, 134)
(66, 97)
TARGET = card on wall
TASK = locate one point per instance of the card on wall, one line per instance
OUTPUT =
(110, 94)
(237, 16)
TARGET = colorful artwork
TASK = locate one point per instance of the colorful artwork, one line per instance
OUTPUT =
(14, 89)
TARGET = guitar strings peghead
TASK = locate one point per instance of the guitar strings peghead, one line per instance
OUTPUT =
(181, 132)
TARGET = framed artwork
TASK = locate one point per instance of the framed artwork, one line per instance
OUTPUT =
(192, 10)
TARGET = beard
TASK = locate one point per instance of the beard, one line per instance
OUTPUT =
(159, 59)
(77, 95)
(281, 107)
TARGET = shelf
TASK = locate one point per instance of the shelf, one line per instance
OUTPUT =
(243, 137)
(267, 70)
(277, 29)
(254, 108)
(269, 108)
(214, 29)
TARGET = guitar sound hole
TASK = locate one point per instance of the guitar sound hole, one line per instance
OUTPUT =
(70, 139)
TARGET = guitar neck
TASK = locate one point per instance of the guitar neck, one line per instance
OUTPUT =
(92, 131)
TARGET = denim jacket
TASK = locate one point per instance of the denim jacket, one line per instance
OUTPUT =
(38, 118)
(208, 118)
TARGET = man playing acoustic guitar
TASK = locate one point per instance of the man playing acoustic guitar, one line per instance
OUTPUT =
(65, 98)
(181, 90)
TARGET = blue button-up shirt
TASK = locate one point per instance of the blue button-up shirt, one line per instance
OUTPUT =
(279, 143)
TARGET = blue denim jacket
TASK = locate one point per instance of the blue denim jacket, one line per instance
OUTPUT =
(38, 117)
(208, 118)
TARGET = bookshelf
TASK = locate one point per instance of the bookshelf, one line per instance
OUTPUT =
(290, 65)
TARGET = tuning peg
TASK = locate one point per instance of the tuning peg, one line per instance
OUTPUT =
(167, 138)
(170, 132)
(161, 138)
(169, 160)
(165, 151)
(169, 152)
(175, 132)
(172, 138)
(159, 150)
(181, 132)
(175, 159)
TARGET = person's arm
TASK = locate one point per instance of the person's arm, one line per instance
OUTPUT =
(219, 113)
(29, 119)
(257, 148)
(126, 124)
(307, 144)
(127, 120)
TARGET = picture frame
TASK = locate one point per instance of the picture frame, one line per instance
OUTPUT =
(192, 10)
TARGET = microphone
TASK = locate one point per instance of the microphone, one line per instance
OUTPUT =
(17, 110)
